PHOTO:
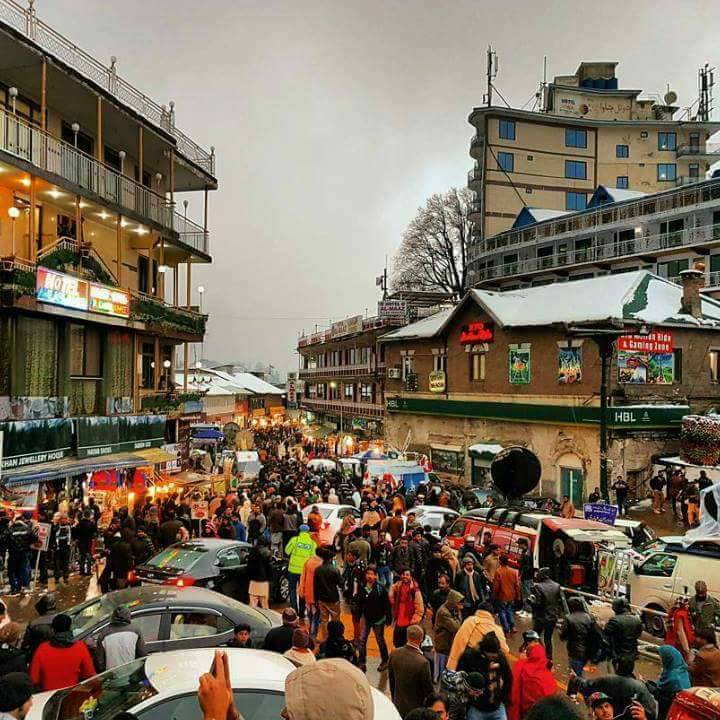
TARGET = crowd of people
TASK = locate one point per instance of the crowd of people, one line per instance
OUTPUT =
(401, 583)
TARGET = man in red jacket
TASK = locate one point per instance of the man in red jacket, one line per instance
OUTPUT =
(62, 661)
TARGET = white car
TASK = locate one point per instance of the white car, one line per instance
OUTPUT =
(433, 515)
(165, 685)
(332, 516)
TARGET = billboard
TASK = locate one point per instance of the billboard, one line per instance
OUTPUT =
(348, 326)
(109, 301)
(98, 436)
(27, 442)
(655, 342)
(60, 289)
(392, 309)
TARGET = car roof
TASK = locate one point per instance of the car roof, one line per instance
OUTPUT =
(179, 671)
(212, 543)
(148, 595)
(432, 508)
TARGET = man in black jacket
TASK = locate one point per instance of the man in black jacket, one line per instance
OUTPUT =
(327, 583)
(577, 630)
(40, 629)
(21, 537)
(622, 633)
(142, 546)
(547, 607)
(259, 570)
(84, 533)
(168, 531)
(374, 604)
(279, 639)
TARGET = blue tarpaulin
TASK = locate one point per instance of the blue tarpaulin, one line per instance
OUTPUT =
(206, 434)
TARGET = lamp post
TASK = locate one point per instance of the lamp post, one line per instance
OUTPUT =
(201, 291)
(13, 92)
(14, 214)
(75, 127)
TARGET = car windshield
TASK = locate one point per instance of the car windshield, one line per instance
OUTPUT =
(182, 556)
(91, 613)
(103, 696)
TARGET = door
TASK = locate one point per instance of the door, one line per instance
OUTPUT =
(232, 577)
(197, 627)
(653, 581)
(571, 484)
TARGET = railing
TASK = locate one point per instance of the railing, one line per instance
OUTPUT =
(337, 371)
(608, 251)
(713, 279)
(350, 408)
(191, 233)
(699, 150)
(62, 243)
(27, 23)
(475, 175)
(477, 140)
(474, 206)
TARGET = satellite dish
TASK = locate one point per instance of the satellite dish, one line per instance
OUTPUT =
(516, 471)
(670, 97)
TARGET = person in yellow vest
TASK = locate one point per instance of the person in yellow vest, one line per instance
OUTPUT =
(299, 550)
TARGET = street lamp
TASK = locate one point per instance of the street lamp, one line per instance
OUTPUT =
(75, 127)
(13, 92)
(334, 385)
(201, 291)
(14, 214)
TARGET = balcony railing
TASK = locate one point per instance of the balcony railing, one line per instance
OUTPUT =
(25, 21)
(339, 371)
(191, 233)
(707, 150)
(713, 280)
(602, 253)
(348, 408)
(475, 175)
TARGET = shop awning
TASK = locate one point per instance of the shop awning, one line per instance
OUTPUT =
(188, 477)
(206, 434)
(155, 456)
(67, 467)
(485, 451)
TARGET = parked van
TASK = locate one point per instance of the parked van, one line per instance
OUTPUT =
(665, 574)
(552, 540)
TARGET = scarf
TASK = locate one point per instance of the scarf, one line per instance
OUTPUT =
(674, 676)
(472, 589)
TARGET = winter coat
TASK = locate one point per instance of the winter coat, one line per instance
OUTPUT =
(21, 536)
(620, 689)
(622, 632)
(402, 558)
(705, 667)
(447, 623)
(168, 532)
(121, 559)
(60, 663)
(85, 532)
(577, 630)
(409, 678)
(462, 584)
(259, 566)
(326, 583)
(142, 549)
(407, 604)
(532, 681)
(547, 603)
(374, 603)
(506, 585)
(120, 642)
(12, 659)
(299, 549)
(471, 632)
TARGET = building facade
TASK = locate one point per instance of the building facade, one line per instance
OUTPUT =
(91, 242)
(524, 368)
(590, 132)
(621, 231)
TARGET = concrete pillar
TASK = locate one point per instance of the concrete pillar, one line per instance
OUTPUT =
(99, 146)
(118, 249)
(43, 94)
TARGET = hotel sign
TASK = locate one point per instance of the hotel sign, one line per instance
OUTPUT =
(109, 301)
(347, 327)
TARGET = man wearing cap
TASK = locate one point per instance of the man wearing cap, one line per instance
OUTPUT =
(447, 622)
(470, 548)
(472, 584)
(299, 549)
(16, 690)
(601, 706)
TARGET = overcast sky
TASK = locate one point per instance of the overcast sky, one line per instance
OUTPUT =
(333, 121)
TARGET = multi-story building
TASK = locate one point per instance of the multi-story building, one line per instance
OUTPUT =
(524, 368)
(590, 132)
(343, 368)
(620, 231)
(91, 245)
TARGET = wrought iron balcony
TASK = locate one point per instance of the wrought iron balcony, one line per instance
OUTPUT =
(360, 409)
(25, 22)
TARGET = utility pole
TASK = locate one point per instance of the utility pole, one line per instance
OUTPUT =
(605, 345)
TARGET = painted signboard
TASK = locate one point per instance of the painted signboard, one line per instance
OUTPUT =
(437, 381)
(199, 510)
(643, 368)
(569, 365)
(519, 365)
(97, 436)
(60, 289)
(392, 309)
(109, 301)
(654, 342)
(348, 326)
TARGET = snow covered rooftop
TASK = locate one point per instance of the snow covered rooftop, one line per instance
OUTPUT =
(530, 216)
(625, 297)
(425, 328)
(605, 195)
(254, 384)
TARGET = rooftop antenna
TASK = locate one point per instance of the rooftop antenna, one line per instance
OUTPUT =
(543, 99)
(706, 81)
(492, 71)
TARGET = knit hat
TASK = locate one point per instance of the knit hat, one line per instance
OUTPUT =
(300, 638)
(304, 528)
(15, 690)
(307, 696)
(475, 682)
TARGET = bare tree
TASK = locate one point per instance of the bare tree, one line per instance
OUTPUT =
(434, 249)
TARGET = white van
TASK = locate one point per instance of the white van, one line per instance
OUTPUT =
(671, 571)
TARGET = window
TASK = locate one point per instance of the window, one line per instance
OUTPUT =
(366, 392)
(408, 366)
(85, 351)
(189, 624)
(666, 172)
(622, 151)
(251, 705)
(575, 138)
(673, 268)
(693, 170)
(147, 352)
(146, 283)
(576, 169)
(440, 362)
(621, 182)
(506, 161)
(149, 626)
(714, 357)
(458, 528)
(349, 391)
(507, 129)
(658, 565)
(112, 158)
(677, 365)
(667, 141)
(84, 142)
(234, 557)
(575, 200)
(477, 366)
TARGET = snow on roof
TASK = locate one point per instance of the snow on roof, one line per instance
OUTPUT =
(529, 216)
(254, 384)
(486, 448)
(605, 195)
(207, 383)
(639, 296)
(425, 328)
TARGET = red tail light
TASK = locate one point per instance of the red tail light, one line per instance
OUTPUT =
(182, 581)
(132, 577)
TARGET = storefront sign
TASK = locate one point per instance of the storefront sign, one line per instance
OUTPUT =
(601, 512)
(392, 309)
(347, 327)
(655, 342)
(27, 442)
(97, 436)
(109, 301)
(519, 366)
(477, 332)
(60, 289)
(437, 381)
(291, 388)
(19, 497)
(570, 365)
(277, 411)
(174, 449)
(199, 510)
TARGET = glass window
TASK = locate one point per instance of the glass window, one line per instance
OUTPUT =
(458, 528)
(506, 161)
(251, 704)
(147, 352)
(575, 200)
(349, 391)
(235, 557)
(693, 170)
(714, 356)
(440, 363)
(85, 351)
(622, 151)
(621, 182)
(666, 172)
(576, 169)
(149, 626)
(477, 366)
(189, 624)
(658, 565)
(507, 129)
(575, 137)
(180, 557)
(667, 141)
(408, 365)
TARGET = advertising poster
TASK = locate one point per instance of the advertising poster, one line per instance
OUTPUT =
(199, 510)
(570, 365)
(519, 365)
(632, 367)
(661, 368)
(601, 512)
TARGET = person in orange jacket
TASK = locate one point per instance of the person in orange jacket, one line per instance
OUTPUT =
(306, 591)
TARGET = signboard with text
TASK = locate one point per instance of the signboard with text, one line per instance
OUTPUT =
(199, 510)
(109, 301)
(43, 534)
(348, 326)
(655, 342)
(437, 381)
(392, 309)
(477, 332)
(291, 390)
(27, 442)
(98, 436)
(60, 289)
(601, 512)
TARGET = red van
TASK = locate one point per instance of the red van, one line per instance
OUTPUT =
(549, 538)
(697, 703)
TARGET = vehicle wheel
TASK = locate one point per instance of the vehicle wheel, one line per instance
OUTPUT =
(282, 589)
(654, 624)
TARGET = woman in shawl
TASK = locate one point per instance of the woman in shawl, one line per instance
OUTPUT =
(532, 680)
(447, 553)
(672, 680)
(679, 631)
